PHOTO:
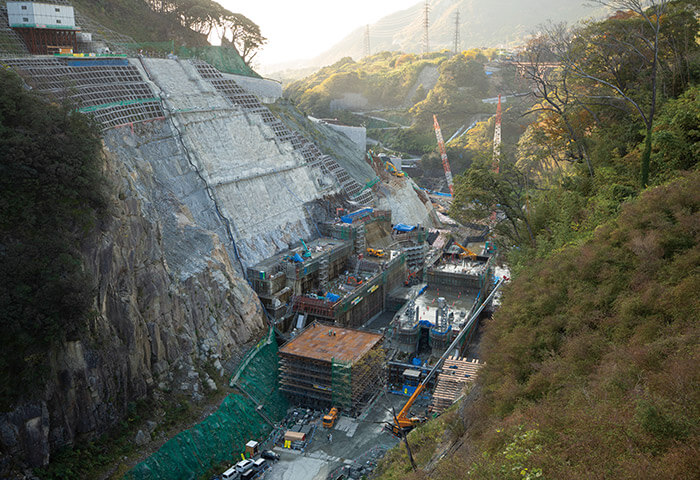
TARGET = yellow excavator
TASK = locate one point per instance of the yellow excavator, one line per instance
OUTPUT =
(403, 421)
(467, 252)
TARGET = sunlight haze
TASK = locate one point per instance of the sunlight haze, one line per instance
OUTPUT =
(305, 28)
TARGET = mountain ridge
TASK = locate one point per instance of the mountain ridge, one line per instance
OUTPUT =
(481, 25)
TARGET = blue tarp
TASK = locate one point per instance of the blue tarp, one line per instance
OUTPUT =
(107, 62)
(332, 297)
(402, 227)
(351, 216)
(433, 192)
(297, 258)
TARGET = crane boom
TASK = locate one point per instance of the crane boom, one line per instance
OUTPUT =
(468, 252)
(443, 155)
(402, 421)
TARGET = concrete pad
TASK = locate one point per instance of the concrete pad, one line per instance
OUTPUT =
(298, 468)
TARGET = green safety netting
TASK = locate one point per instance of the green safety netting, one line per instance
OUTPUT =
(222, 436)
(224, 59)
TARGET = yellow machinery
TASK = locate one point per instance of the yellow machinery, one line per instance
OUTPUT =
(467, 252)
(391, 168)
(375, 252)
(403, 422)
(329, 420)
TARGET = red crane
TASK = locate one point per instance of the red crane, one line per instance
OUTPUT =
(443, 154)
(497, 138)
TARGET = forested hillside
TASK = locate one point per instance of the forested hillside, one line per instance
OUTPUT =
(187, 23)
(404, 89)
(591, 361)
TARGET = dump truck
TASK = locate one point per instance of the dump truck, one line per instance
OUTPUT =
(329, 420)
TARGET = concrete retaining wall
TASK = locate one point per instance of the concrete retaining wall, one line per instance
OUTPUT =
(268, 91)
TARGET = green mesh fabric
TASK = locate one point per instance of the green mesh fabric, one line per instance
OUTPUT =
(222, 436)
(224, 59)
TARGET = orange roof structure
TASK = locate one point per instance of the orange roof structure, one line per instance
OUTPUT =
(330, 343)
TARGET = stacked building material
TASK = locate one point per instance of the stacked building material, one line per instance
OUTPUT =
(456, 373)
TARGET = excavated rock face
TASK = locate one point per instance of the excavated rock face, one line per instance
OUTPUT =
(168, 298)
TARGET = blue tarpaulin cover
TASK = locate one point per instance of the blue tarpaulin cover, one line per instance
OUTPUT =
(402, 227)
(332, 297)
(359, 213)
(297, 258)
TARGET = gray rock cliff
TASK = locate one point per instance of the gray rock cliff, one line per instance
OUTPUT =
(167, 299)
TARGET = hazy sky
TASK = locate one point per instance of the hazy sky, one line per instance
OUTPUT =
(298, 29)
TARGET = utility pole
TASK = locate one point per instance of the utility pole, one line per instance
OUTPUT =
(366, 45)
(457, 47)
(426, 24)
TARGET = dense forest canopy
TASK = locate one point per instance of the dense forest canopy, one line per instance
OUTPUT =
(52, 195)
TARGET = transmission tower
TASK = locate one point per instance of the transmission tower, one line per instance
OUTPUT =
(457, 40)
(426, 24)
(366, 45)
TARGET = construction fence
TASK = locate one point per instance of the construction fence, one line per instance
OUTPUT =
(222, 436)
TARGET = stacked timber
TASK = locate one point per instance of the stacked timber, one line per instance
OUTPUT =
(456, 373)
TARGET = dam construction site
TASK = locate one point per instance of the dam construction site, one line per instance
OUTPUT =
(319, 289)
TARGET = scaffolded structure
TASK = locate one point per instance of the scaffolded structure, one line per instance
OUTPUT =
(327, 366)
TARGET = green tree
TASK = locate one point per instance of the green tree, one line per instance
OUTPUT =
(481, 191)
(51, 195)
(619, 61)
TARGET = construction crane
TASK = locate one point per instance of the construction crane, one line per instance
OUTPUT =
(307, 253)
(467, 252)
(403, 423)
(497, 139)
(443, 155)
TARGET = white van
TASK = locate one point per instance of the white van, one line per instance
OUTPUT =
(243, 465)
(229, 474)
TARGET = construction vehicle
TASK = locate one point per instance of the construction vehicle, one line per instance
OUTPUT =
(307, 253)
(443, 156)
(467, 252)
(329, 420)
(375, 252)
(391, 168)
(403, 422)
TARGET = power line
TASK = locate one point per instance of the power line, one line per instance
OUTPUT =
(457, 47)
